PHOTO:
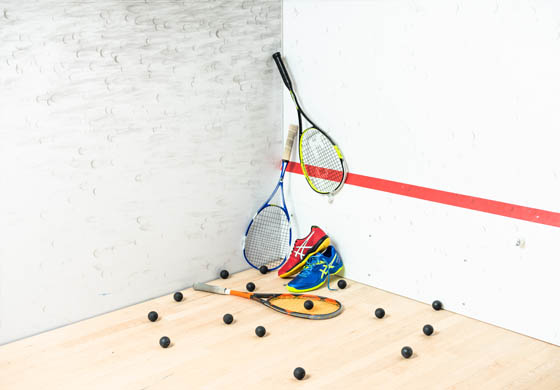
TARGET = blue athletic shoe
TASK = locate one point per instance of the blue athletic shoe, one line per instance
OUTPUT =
(317, 271)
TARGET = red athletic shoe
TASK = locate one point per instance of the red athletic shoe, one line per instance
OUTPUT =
(316, 241)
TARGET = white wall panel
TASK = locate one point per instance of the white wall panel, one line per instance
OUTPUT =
(136, 140)
(457, 96)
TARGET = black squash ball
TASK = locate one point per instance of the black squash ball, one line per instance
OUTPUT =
(437, 305)
(406, 352)
(178, 296)
(263, 269)
(299, 373)
(228, 318)
(342, 284)
(379, 313)
(164, 342)
(153, 316)
(428, 330)
(250, 286)
(224, 274)
(308, 304)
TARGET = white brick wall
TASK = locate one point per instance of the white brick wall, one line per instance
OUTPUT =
(136, 140)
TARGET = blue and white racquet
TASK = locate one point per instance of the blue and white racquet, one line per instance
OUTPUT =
(268, 238)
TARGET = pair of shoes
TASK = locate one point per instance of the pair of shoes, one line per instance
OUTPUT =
(315, 258)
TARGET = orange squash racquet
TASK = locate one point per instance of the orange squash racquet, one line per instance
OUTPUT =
(290, 304)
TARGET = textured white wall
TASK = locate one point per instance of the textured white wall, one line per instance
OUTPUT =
(136, 140)
(460, 96)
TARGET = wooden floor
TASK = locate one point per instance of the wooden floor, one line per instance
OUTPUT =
(120, 350)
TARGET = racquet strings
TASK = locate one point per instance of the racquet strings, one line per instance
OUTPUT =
(268, 239)
(321, 161)
(294, 303)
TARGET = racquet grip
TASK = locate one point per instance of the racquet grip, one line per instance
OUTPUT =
(210, 289)
(292, 131)
(282, 69)
(241, 294)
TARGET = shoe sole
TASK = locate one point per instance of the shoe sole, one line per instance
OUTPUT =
(291, 289)
(320, 246)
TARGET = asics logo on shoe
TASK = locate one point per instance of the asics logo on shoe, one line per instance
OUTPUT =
(326, 267)
(299, 252)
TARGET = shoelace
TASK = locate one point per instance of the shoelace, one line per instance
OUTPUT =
(329, 280)
(309, 266)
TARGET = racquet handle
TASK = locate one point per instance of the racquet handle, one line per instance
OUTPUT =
(282, 69)
(292, 131)
(210, 289)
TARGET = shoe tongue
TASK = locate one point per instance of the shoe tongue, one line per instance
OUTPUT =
(310, 263)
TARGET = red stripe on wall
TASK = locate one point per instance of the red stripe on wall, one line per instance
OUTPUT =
(449, 198)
